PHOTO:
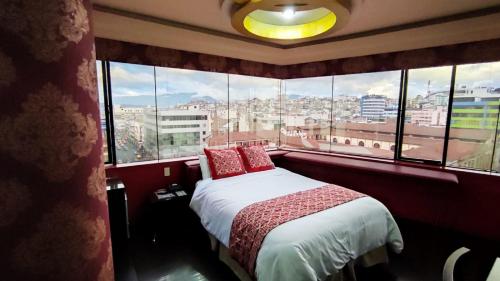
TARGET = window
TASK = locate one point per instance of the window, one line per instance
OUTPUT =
(426, 110)
(163, 113)
(474, 117)
(192, 111)
(254, 111)
(365, 110)
(307, 113)
(134, 112)
(102, 113)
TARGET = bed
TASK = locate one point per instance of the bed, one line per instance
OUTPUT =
(313, 247)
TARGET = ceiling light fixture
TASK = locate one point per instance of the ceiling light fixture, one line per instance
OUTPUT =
(288, 12)
(289, 21)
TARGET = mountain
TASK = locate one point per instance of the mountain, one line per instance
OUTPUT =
(171, 100)
(294, 97)
(204, 99)
(163, 100)
(134, 101)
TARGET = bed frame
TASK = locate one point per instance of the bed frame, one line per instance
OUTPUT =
(375, 256)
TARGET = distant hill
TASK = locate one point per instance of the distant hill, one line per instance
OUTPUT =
(163, 100)
(171, 100)
(204, 99)
(294, 97)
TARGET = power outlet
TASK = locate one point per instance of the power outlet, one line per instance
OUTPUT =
(166, 171)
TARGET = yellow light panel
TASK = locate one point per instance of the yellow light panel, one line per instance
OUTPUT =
(299, 31)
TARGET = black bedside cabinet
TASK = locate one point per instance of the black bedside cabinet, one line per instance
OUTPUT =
(118, 213)
(170, 218)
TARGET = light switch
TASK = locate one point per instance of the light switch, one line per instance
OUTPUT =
(166, 171)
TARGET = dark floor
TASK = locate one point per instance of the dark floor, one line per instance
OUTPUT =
(187, 257)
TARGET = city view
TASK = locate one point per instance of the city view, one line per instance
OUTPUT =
(162, 113)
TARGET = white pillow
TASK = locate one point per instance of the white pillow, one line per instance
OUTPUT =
(205, 170)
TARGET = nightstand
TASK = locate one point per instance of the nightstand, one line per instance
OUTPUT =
(170, 215)
(118, 212)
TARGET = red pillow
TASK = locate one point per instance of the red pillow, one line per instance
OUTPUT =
(224, 163)
(255, 158)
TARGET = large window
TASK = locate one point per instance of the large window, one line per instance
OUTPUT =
(307, 113)
(134, 112)
(474, 118)
(445, 115)
(365, 111)
(427, 96)
(254, 111)
(192, 111)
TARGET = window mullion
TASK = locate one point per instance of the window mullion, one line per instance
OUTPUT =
(495, 140)
(331, 115)
(448, 116)
(156, 117)
(109, 111)
(228, 115)
(400, 122)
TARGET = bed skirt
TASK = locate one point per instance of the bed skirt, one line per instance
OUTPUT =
(373, 257)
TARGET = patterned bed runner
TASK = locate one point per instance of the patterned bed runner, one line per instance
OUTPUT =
(254, 222)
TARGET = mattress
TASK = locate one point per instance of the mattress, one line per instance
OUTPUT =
(309, 248)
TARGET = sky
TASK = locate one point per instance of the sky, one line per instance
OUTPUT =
(131, 82)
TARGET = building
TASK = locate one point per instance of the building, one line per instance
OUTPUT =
(180, 132)
(373, 107)
(391, 111)
(475, 108)
(124, 110)
(438, 98)
(433, 116)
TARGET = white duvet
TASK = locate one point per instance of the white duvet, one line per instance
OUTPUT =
(309, 248)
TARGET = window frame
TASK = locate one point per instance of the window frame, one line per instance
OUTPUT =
(448, 116)
(395, 131)
(402, 116)
(495, 142)
(108, 104)
(399, 132)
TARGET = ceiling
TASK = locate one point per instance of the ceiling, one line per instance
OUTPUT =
(374, 27)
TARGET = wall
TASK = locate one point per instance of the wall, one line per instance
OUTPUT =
(471, 207)
(141, 180)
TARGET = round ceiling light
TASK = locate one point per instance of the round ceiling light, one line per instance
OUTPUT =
(279, 20)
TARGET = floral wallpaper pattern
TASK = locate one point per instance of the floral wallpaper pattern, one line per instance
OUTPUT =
(53, 205)
(30, 136)
(43, 251)
(473, 52)
(15, 198)
(7, 70)
(46, 27)
(87, 76)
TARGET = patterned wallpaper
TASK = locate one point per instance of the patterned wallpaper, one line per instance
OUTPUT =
(120, 51)
(483, 51)
(53, 205)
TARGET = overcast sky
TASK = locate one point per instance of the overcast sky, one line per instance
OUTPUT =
(137, 81)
